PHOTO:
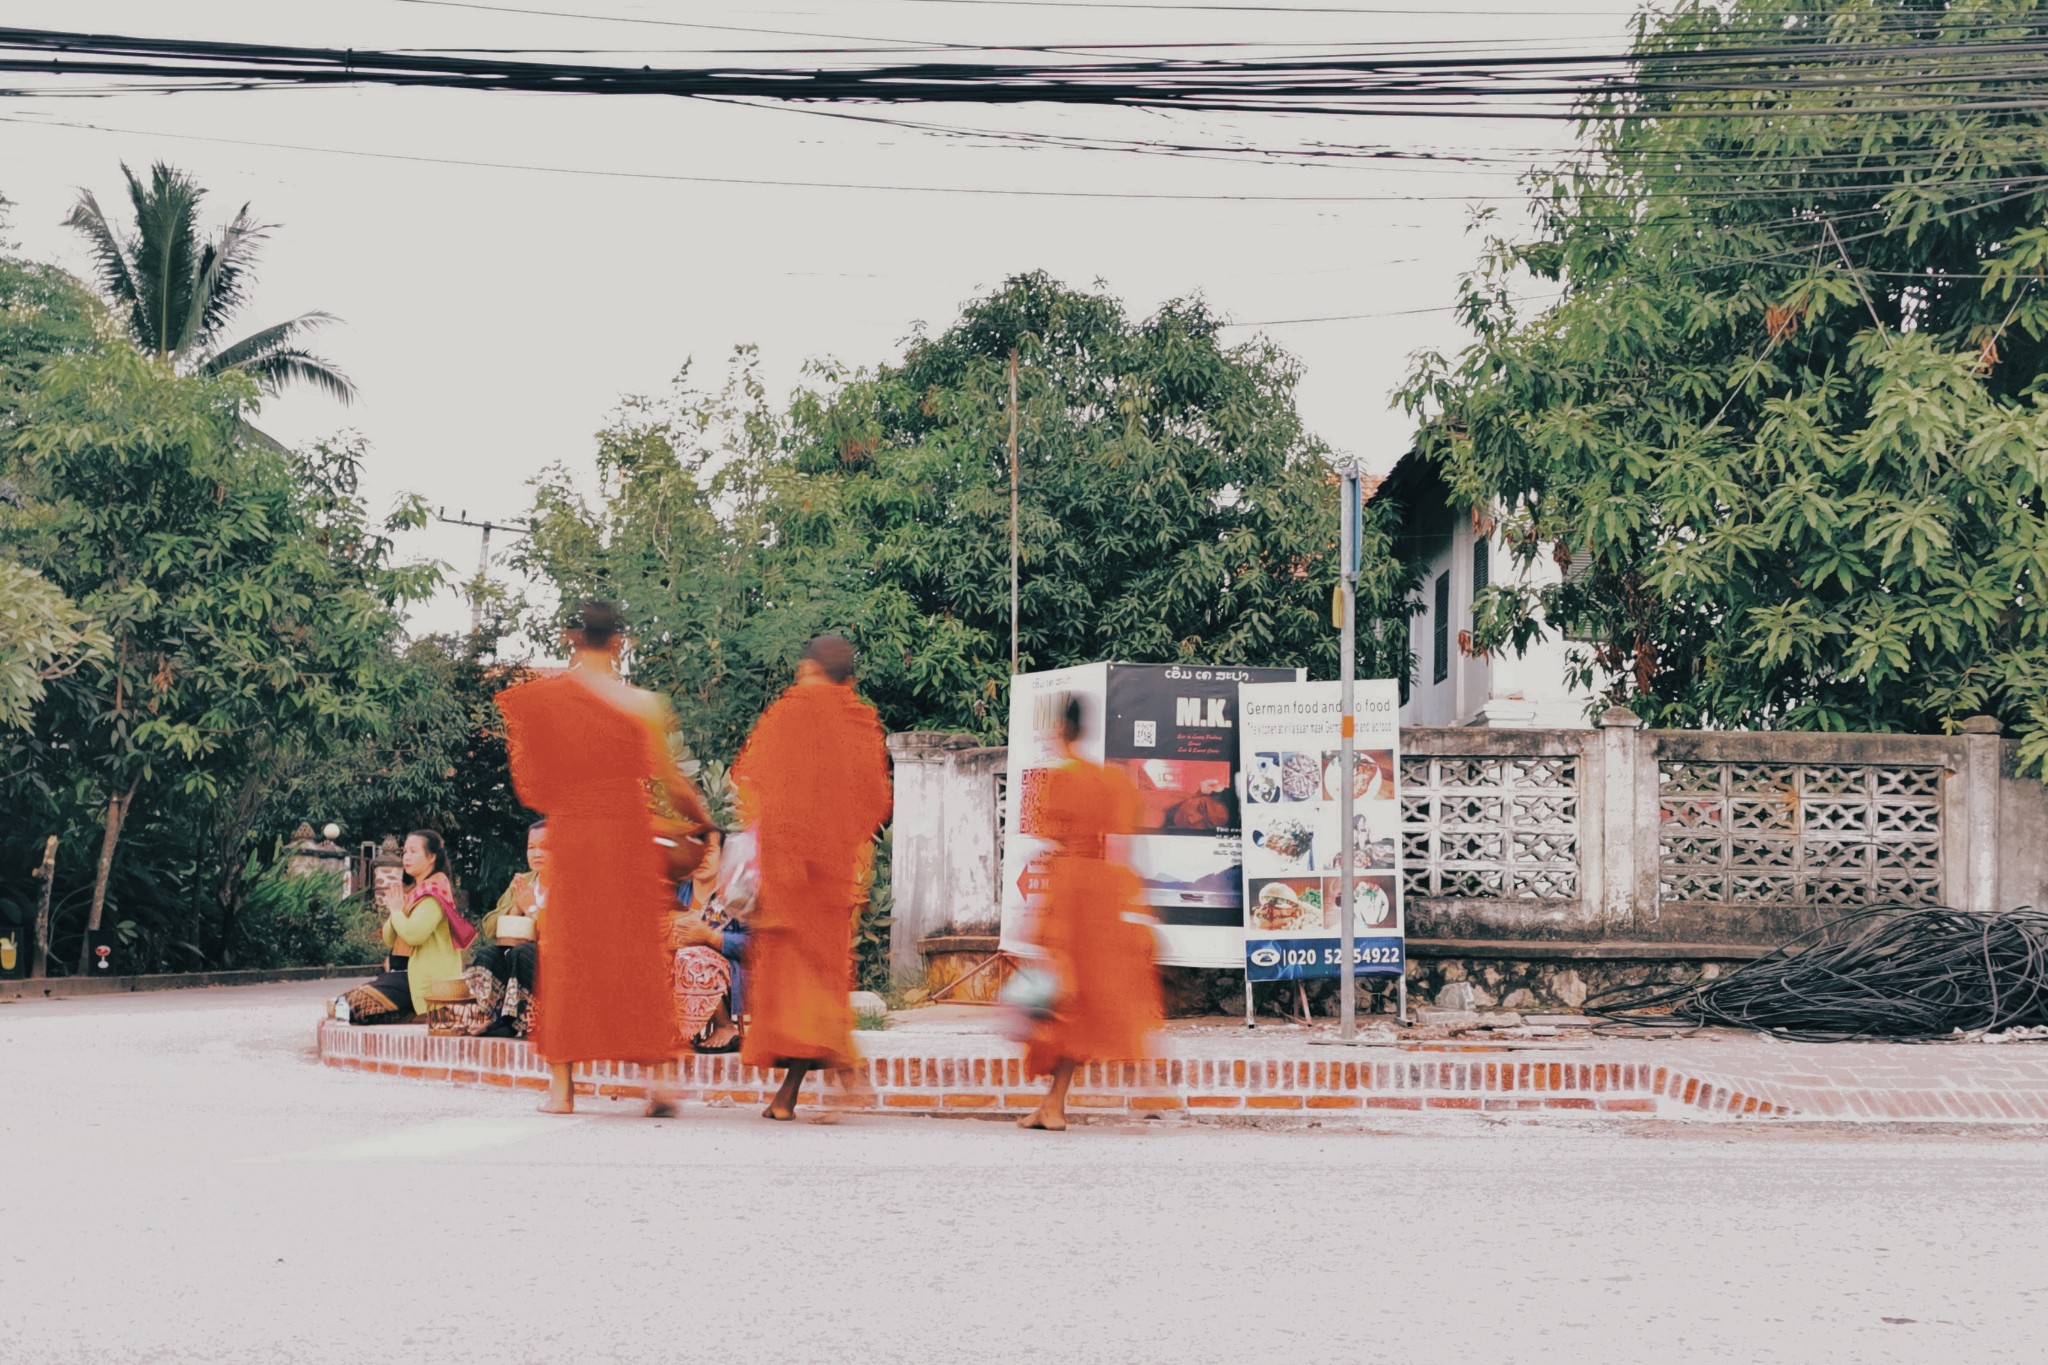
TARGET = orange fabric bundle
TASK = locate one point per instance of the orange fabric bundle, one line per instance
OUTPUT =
(1109, 1000)
(602, 980)
(813, 781)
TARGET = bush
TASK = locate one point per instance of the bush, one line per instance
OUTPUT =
(871, 931)
(303, 921)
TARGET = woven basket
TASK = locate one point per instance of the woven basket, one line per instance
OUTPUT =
(452, 1012)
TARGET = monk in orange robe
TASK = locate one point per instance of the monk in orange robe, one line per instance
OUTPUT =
(813, 781)
(1092, 928)
(584, 746)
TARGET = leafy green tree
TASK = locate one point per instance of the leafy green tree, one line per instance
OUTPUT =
(438, 763)
(680, 531)
(1785, 419)
(177, 292)
(244, 602)
(1171, 507)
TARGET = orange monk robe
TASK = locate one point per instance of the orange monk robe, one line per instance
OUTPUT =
(602, 988)
(813, 780)
(1092, 926)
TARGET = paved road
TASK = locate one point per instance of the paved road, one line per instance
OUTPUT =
(179, 1182)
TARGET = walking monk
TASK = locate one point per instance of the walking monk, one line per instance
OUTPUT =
(813, 781)
(1091, 926)
(584, 746)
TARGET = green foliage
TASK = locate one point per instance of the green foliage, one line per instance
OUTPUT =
(43, 637)
(1789, 405)
(238, 605)
(871, 1020)
(1171, 508)
(679, 536)
(176, 291)
(302, 921)
(877, 913)
(438, 763)
(247, 608)
(44, 313)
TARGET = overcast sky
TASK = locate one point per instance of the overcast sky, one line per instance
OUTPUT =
(493, 316)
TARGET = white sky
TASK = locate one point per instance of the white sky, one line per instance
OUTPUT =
(493, 317)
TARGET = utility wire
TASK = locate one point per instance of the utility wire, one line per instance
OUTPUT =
(1705, 83)
(1012, 191)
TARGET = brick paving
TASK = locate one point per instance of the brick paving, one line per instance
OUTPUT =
(1206, 1070)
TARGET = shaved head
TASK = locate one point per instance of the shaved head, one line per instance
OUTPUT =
(833, 655)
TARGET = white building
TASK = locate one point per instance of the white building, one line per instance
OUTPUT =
(1450, 685)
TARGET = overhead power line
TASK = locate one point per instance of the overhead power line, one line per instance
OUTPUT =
(1992, 74)
(1883, 185)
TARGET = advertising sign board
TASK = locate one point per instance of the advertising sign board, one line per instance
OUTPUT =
(1173, 729)
(1293, 865)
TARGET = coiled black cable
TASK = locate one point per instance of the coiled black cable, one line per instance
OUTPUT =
(1891, 972)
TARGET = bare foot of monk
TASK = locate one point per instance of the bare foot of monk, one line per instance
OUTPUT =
(783, 1107)
(561, 1095)
(663, 1102)
(1044, 1122)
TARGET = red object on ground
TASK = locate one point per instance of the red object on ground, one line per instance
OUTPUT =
(1109, 998)
(603, 976)
(814, 781)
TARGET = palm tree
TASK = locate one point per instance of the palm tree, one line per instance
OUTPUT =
(178, 292)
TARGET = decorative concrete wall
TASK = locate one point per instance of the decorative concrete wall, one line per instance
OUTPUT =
(1617, 843)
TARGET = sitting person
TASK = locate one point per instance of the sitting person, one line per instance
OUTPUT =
(501, 969)
(710, 943)
(423, 938)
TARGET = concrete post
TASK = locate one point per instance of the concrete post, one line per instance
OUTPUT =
(1621, 819)
(387, 877)
(1979, 781)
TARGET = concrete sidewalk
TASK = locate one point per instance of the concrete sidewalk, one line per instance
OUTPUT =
(950, 1060)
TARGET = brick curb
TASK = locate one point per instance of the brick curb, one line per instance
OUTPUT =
(59, 987)
(1237, 1089)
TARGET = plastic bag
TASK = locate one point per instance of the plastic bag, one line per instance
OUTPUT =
(1028, 998)
(739, 874)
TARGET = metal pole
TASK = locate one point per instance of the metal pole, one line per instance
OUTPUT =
(1347, 763)
(1348, 754)
(1014, 556)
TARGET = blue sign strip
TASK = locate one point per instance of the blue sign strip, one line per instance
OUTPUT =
(1303, 959)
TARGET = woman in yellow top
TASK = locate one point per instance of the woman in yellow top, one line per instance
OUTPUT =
(422, 937)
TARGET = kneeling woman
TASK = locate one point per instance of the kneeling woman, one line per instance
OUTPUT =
(1091, 926)
(423, 939)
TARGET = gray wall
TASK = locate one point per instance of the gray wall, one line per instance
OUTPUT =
(1611, 835)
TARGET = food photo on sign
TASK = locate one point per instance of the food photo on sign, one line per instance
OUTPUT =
(1281, 776)
(1372, 774)
(1281, 842)
(1287, 904)
(1375, 826)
